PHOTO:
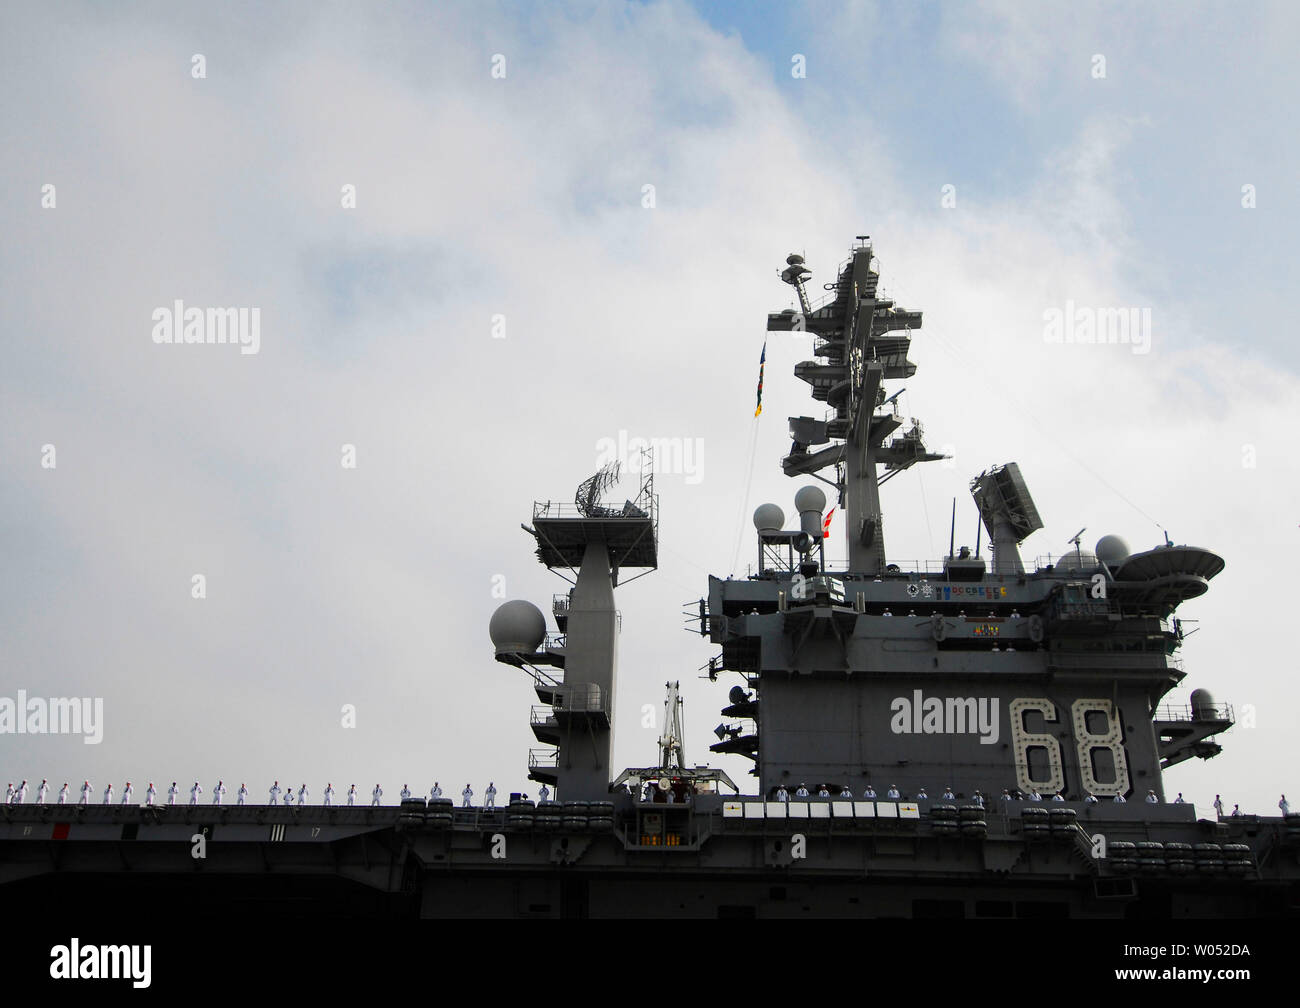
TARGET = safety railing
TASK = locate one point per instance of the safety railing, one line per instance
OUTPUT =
(1200, 712)
(543, 759)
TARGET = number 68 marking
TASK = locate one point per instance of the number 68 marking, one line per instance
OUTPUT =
(1086, 742)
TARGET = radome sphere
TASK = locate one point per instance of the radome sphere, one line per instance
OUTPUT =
(810, 498)
(769, 518)
(1112, 551)
(517, 626)
(1077, 562)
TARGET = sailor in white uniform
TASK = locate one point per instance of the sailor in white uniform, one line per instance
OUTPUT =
(436, 791)
(9, 793)
(352, 794)
(490, 796)
(21, 794)
(1034, 796)
(1218, 806)
(376, 794)
(195, 791)
(108, 795)
(782, 795)
(242, 794)
(544, 794)
(1236, 810)
(1006, 795)
(172, 792)
(63, 794)
(822, 792)
(870, 792)
(801, 791)
(1179, 799)
(275, 793)
(892, 794)
(302, 795)
(150, 794)
(329, 793)
(845, 792)
(922, 796)
(1152, 799)
(978, 798)
(126, 794)
(1286, 809)
(217, 792)
(1119, 799)
(1091, 799)
(406, 792)
(85, 793)
(41, 792)
(466, 798)
(1058, 797)
(947, 793)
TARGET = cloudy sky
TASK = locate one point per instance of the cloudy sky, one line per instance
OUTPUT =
(505, 293)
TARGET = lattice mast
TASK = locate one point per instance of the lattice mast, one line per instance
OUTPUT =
(862, 340)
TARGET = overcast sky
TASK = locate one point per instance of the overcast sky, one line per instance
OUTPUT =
(523, 196)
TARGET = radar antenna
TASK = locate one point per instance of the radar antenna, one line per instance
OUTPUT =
(1075, 540)
(1008, 512)
(592, 490)
(795, 274)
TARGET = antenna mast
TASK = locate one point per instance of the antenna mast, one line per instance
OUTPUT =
(862, 340)
(672, 744)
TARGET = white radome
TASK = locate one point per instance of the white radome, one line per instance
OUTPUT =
(517, 626)
(769, 518)
(1077, 562)
(810, 498)
(1112, 551)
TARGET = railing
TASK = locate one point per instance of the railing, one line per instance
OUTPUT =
(933, 567)
(905, 568)
(1201, 712)
(559, 604)
(546, 713)
(826, 300)
(543, 759)
(645, 505)
(580, 698)
(554, 640)
(1089, 562)
(567, 509)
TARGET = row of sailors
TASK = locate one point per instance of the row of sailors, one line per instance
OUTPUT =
(977, 798)
(18, 795)
(893, 794)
